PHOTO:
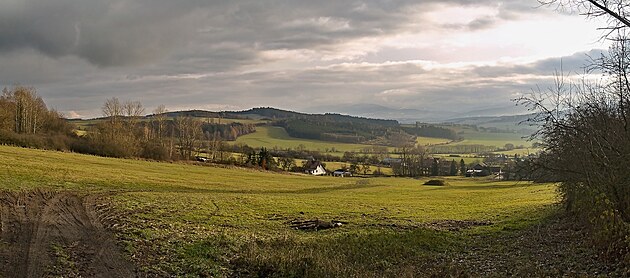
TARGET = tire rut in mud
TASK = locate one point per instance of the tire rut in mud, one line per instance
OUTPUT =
(44, 233)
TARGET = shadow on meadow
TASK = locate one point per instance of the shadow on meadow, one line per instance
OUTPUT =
(312, 190)
(384, 253)
(551, 248)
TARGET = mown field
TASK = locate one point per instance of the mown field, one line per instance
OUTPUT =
(276, 137)
(472, 137)
(270, 137)
(180, 219)
(428, 141)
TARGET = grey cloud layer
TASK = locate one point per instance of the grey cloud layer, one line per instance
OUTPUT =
(124, 32)
(211, 54)
(404, 84)
(105, 33)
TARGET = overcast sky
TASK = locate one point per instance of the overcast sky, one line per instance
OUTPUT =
(291, 54)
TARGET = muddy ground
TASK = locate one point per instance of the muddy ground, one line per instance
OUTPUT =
(45, 233)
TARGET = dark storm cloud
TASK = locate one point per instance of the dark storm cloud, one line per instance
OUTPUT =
(400, 84)
(126, 32)
(106, 33)
(225, 53)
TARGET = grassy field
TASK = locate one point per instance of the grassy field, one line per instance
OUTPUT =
(270, 137)
(177, 219)
(521, 152)
(472, 137)
(427, 141)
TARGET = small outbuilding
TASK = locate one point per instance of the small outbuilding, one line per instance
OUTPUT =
(479, 170)
(342, 173)
(201, 159)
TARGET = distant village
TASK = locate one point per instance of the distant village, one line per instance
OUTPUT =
(498, 167)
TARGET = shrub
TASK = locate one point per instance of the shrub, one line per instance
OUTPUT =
(436, 182)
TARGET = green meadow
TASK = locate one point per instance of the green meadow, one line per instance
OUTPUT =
(427, 141)
(276, 137)
(177, 219)
(499, 140)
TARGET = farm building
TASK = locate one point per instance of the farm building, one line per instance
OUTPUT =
(201, 159)
(314, 168)
(342, 173)
(479, 170)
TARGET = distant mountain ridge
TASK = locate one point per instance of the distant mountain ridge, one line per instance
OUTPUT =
(491, 119)
(409, 115)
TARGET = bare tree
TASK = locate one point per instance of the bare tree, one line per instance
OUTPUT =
(188, 131)
(214, 143)
(7, 111)
(159, 119)
(23, 111)
(615, 12)
(112, 109)
(118, 132)
(28, 109)
(132, 110)
(412, 162)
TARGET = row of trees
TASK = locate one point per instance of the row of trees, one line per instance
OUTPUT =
(123, 131)
(22, 111)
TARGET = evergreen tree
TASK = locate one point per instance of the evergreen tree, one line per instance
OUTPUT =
(435, 168)
(453, 168)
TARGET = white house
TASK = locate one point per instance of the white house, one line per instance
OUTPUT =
(315, 168)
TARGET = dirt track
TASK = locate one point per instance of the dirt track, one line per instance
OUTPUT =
(56, 234)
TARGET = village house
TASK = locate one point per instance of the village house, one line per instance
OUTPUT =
(479, 170)
(314, 168)
(497, 172)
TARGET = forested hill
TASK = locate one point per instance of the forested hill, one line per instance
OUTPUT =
(329, 127)
(274, 114)
(277, 114)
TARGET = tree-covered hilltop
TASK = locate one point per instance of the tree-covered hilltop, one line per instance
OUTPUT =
(327, 128)
(426, 130)
(228, 132)
(278, 114)
(330, 126)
